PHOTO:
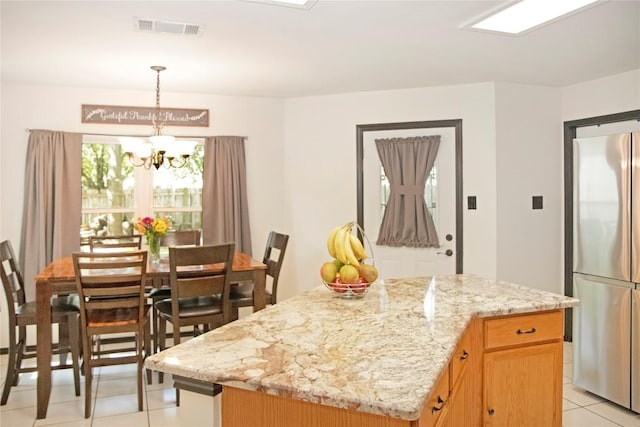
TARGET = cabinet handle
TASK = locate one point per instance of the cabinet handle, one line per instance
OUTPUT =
(435, 409)
(530, 331)
(465, 355)
(491, 411)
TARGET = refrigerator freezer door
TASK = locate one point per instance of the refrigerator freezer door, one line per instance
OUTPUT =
(601, 201)
(635, 349)
(601, 331)
(635, 208)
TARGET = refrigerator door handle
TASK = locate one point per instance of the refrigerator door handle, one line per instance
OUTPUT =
(635, 207)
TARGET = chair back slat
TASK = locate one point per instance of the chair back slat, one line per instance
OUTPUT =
(12, 279)
(182, 238)
(115, 243)
(111, 303)
(201, 286)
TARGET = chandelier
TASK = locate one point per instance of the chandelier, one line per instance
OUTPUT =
(158, 150)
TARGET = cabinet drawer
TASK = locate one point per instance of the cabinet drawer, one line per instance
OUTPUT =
(459, 359)
(435, 406)
(529, 328)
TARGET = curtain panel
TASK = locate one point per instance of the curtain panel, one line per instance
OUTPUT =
(407, 163)
(52, 201)
(225, 210)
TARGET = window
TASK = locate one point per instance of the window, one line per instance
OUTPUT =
(430, 192)
(115, 193)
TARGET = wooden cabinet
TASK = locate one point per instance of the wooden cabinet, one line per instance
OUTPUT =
(450, 404)
(523, 370)
(436, 407)
(505, 371)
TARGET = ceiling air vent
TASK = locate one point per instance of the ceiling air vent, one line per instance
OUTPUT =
(172, 27)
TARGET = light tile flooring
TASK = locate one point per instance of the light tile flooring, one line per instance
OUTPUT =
(115, 403)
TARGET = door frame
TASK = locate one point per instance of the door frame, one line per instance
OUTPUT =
(457, 125)
(570, 132)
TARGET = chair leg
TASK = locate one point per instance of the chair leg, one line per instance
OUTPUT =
(86, 346)
(140, 369)
(74, 343)
(11, 367)
(147, 347)
(162, 336)
(63, 340)
(20, 349)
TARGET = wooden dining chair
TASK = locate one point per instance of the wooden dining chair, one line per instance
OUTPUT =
(172, 238)
(241, 294)
(115, 243)
(21, 313)
(197, 297)
(112, 301)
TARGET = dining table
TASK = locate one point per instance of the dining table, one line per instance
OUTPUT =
(58, 278)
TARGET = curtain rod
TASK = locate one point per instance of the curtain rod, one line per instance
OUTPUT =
(27, 130)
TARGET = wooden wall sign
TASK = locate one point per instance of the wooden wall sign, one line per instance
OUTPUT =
(122, 115)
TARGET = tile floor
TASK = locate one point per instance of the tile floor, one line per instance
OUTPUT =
(115, 403)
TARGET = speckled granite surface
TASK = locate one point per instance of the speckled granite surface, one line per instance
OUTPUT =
(381, 354)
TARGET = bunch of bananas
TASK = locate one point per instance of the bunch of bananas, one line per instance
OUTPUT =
(345, 246)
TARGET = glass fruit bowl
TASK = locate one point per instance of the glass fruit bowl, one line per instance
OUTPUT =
(348, 290)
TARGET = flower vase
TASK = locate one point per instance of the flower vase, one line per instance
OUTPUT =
(153, 242)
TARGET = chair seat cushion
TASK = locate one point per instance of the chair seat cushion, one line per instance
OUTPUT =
(241, 294)
(160, 293)
(191, 307)
(59, 305)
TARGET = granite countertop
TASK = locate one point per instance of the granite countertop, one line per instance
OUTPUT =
(381, 354)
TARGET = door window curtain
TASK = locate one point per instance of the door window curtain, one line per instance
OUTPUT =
(407, 163)
(52, 201)
(225, 211)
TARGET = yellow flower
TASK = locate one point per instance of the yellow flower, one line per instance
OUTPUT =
(159, 226)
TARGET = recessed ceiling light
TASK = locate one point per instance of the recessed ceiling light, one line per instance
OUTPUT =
(527, 14)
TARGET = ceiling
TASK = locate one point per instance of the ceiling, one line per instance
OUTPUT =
(254, 49)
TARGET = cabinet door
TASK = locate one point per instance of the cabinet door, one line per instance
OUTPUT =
(523, 386)
(458, 415)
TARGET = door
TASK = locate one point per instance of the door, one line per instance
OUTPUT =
(440, 196)
(601, 206)
(507, 403)
(601, 337)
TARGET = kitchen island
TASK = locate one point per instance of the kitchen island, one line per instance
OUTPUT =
(412, 352)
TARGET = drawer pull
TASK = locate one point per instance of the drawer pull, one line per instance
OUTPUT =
(465, 355)
(491, 411)
(530, 331)
(435, 409)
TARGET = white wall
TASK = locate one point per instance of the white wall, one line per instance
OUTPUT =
(529, 163)
(320, 142)
(609, 95)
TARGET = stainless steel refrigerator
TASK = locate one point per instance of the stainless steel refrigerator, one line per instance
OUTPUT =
(606, 267)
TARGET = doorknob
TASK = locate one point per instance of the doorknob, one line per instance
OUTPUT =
(448, 252)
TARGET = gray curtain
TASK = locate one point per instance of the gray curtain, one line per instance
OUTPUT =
(225, 211)
(407, 163)
(52, 201)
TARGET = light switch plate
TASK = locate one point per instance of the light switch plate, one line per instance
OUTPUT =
(536, 202)
(471, 202)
